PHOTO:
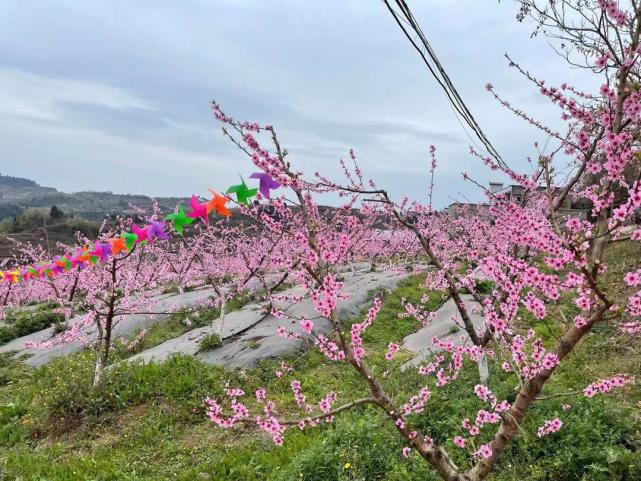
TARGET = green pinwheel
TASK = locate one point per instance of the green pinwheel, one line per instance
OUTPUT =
(179, 219)
(130, 239)
(243, 193)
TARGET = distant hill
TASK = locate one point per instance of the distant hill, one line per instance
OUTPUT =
(18, 194)
(30, 212)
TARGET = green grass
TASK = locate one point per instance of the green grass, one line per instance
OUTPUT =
(210, 342)
(27, 321)
(147, 422)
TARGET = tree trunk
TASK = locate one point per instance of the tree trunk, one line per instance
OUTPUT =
(484, 373)
(98, 371)
(219, 330)
(102, 360)
(104, 342)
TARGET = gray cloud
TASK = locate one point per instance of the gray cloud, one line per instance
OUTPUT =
(124, 87)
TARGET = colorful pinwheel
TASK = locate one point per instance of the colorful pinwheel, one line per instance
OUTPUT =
(117, 245)
(100, 251)
(243, 193)
(198, 210)
(179, 219)
(141, 233)
(266, 183)
(157, 230)
(218, 202)
(130, 239)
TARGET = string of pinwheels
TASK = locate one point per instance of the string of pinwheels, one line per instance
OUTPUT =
(100, 251)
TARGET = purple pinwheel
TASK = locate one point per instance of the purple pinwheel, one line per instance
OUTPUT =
(102, 250)
(267, 183)
(105, 251)
(157, 230)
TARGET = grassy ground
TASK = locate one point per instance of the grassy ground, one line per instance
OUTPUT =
(147, 423)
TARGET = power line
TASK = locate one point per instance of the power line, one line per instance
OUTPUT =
(406, 21)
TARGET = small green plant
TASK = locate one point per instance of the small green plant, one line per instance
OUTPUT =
(254, 344)
(205, 316)
(170, 289)
(22, 323)
(59, 327)
(483, 286)
(210, 342)
(454, 329)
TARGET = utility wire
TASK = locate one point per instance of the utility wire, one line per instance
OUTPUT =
(412, 30)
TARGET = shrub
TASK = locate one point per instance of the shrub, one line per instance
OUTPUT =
(170, 289)
(205, 316)
(210, 342)
(484, 286)
(59, 327)
(63, 389)
(23, 323)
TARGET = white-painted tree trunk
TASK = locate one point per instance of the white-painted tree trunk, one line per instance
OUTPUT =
(100, 367)
(484, 372)
(221, 325)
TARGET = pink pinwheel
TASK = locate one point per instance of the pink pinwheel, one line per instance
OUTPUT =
(142, 233)
(198, 210)
(157, 230)
(267, 183)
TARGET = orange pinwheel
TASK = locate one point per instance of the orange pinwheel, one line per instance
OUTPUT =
(63, 263)
(84, 256)
(117, 245)
(218, 202)
(13, 275)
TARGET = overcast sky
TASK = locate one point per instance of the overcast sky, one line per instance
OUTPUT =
(115, 95)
